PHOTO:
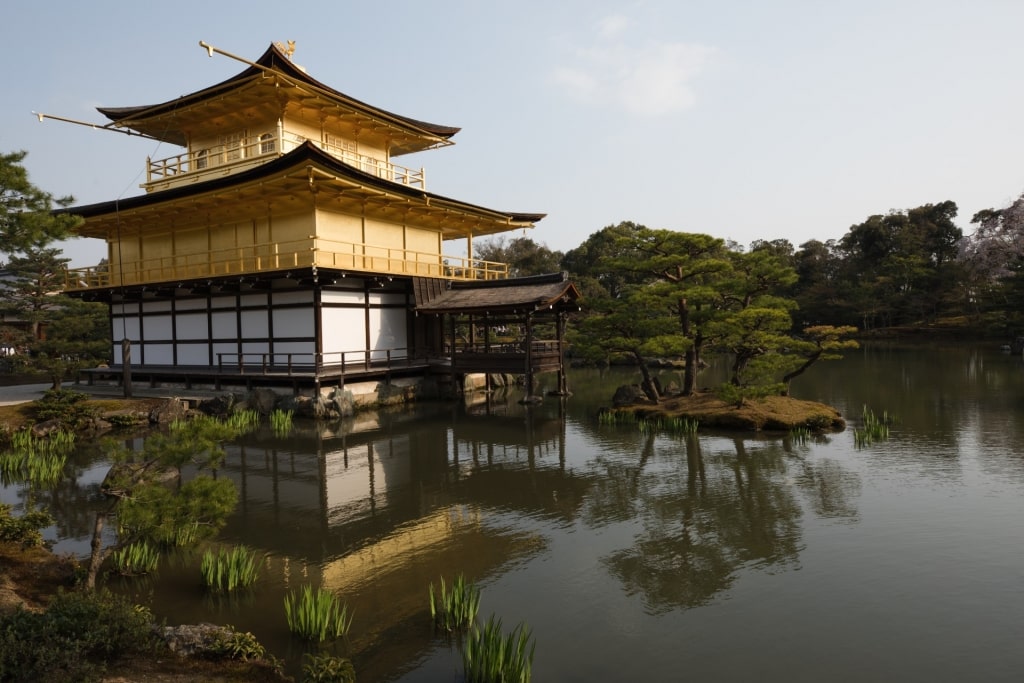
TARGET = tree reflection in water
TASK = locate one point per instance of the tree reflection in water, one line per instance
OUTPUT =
(706, 516)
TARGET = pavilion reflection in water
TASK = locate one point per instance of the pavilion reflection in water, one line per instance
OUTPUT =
(382, 505)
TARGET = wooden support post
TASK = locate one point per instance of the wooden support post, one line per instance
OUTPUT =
(126, 365)
(563, 383)
(529, 357)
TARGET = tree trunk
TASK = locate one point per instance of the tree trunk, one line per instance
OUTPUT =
(97, 555)
(648, 385)
(692, 356)
(788, 377)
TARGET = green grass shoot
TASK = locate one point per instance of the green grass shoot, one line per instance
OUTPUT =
(490, 656)
(135, 559)
(316, 615)
(454, 609)
(228, 570)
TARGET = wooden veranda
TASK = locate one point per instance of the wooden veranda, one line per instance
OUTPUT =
(514, 326)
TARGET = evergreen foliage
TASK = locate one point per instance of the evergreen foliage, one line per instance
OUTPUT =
(74, 639)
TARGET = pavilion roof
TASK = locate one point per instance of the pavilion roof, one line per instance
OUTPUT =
(157, 120)
(515, 295)
(292, 173)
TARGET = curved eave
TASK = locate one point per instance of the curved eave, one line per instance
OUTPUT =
(317, 170)
(136, 117)
(551, 292)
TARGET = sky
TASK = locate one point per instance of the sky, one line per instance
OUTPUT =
(743, 119)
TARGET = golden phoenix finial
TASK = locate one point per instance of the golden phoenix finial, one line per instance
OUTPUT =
(288, 51)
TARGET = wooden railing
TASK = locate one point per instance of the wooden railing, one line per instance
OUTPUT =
(246, 260)
(253, 150)
(290, 364)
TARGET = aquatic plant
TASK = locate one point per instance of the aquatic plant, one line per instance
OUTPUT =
(616, 417)
(678, 426)
(135, 559)
(873, 428)
(281, 421)
(244, 420)
(316, 615)
(489, 656)
(228, 570)
(36, 460)
(800, 435)
(454, 609)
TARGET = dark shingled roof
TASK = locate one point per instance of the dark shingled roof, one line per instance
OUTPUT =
(297, 158)
(520, 295)
(274, 59)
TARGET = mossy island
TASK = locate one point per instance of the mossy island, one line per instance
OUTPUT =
(768, 413)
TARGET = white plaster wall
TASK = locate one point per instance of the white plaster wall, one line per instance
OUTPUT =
(255, 324)
(192, 326)
(387, 331)
(293, 322)
(157, 328)
(225, 324)
(159, 354)
(193, 354)
(343, 329)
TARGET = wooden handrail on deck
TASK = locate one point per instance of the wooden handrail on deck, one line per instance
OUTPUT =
(291, 364)
(218, 158)
(272, 256)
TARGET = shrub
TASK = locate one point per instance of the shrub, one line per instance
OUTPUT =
(65, 405)
(327, 669)
(24, 530)
(241, 646)
(73, 639)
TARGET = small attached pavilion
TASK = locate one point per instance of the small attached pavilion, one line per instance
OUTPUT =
(514, 326)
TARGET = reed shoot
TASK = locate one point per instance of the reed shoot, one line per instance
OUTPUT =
(316, 615)
(244, 420)
(281, 422)
(873, 428)
(454, 609)
(800, 435)
(229, 570)
(135, 559)
(677, 426)
(489, 656)
(36, 460)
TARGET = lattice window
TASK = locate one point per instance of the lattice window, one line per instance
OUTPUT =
(267, 143)
(232, 145)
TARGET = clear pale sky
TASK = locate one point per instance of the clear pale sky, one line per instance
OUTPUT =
(745, 120)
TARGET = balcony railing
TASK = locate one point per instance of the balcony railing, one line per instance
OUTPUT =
(284, 256)
(250, 151)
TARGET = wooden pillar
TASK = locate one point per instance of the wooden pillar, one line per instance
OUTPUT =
(126, 366)
(563, 384)
(529, 356)
(487, 348)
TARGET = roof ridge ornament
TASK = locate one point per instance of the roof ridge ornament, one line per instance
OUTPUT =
(288, 51)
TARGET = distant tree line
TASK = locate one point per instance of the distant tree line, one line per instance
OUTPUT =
(903, 269)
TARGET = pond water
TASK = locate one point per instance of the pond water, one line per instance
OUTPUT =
(642, 556)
